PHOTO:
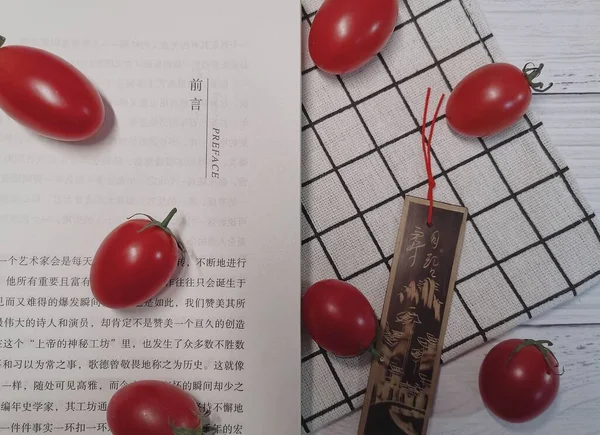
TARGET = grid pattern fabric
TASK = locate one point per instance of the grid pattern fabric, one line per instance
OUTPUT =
(531, 242)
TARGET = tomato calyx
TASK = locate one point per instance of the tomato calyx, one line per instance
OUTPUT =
(199, 430)
(372, 349)
(2, 40)
(539, 345)
(163, 225)
(533, 72)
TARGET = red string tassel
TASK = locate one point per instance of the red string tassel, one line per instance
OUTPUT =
(426, 144)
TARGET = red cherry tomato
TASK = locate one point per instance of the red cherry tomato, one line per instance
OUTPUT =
(153, 407)
(48, 95)
(339, 317)
(134, 262)
(346, 34)
(491, 98)
(518, 379)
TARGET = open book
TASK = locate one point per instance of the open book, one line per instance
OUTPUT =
(203, 114)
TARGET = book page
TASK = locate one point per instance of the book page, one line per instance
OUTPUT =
(203, 114)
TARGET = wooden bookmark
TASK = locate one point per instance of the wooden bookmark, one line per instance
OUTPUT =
(403, 380)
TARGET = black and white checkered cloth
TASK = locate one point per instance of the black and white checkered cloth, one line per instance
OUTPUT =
(532, 241)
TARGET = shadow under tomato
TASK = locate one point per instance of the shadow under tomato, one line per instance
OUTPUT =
(531, 426)
(351, 363)
(104, 134)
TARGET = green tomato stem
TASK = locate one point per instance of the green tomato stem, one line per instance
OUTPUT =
(166, 221)
(539, 345)
(2, 40)
(374, 353)
(533, 72)
(200, 430)
(163, 225)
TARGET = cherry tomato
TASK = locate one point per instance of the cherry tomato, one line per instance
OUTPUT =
(346, 34)
(48, 95)
(152, 407)
(491, 98)
(134, 262)
(519, 379)
(339, 317)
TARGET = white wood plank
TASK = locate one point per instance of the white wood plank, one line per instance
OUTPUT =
(573, 125)
(571, 120)
(563, 34)
(458, 408)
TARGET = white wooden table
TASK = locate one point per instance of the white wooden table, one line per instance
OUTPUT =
(565, 36)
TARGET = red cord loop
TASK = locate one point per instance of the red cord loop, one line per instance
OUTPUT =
(426, 144)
